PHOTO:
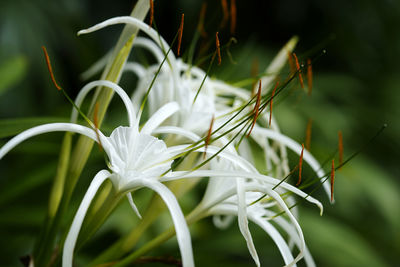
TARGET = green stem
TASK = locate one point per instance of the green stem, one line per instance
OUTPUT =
(193, 217)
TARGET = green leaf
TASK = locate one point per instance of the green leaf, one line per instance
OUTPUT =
(332, 243)
(12, 71)
(33, 179)
(10, 127)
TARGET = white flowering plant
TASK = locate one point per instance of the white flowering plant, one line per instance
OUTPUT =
(184, 126)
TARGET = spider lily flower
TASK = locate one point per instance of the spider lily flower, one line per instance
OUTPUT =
(181, 83)
(137, 159)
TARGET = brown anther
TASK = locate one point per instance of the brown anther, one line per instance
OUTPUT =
(270, 103)
(332, 178)
(300, 164)
(46, 56)
(207, 141)
(233, 16)
(340, 147)
(291, 62)
(180, 34)
(296, 60)
(309, 76)
(217, 44)
(256, 108)
(151, 12)
(200, 25)
(225, 12)
(96, 123)
(308, 134)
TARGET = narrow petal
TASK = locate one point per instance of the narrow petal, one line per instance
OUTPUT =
(275, 235)
(135, 22)
(181, 228)
(51, 127)
(295, 147)
(178, 131)
(135, 209)
(72, 236)
(240, 174)
(92, 85)
(242, 220)
(282, 204)
(159, 117)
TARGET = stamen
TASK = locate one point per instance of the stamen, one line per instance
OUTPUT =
(96, 124)
(151, 13)
(300, 164)
(233, 16)
(50, 68)
(225, 12)
(340, 147)
(270, 103)
(332, 178)
(309, 76)
(298, 70)
(256, 108)
(308, 134)
(291, 62)
(180, 34)
(200, 26)
(207, 141)
(217, 44)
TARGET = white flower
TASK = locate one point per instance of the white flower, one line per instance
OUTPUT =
(137, 160)
(227, 191)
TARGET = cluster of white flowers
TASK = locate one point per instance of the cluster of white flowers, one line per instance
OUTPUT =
(191, 113)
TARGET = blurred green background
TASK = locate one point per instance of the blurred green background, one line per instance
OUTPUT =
(356, 90)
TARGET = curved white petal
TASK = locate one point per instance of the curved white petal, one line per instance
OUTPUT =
(235, 174)
(137, 23)
(125, 98)
(136, 68)
(275, 235)
(135, 209)
(72, 236)
(52, 127)
(224, 222)
(159, 117)
(282, 204)
(295, 147)
(178, 131)
(151, 46)
(181, 228)
(242, 219)
(264, 224)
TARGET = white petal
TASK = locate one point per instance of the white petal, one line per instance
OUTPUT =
(177, 130)
(234, 174)
(243, 222)
(293, 145)
(151, 46)
(181, 228)
(135, 209)
(159, 117)
(275, 235)
(72, 236)
(134, 22)
(92, 85)
(282, 204)
(47, 128)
